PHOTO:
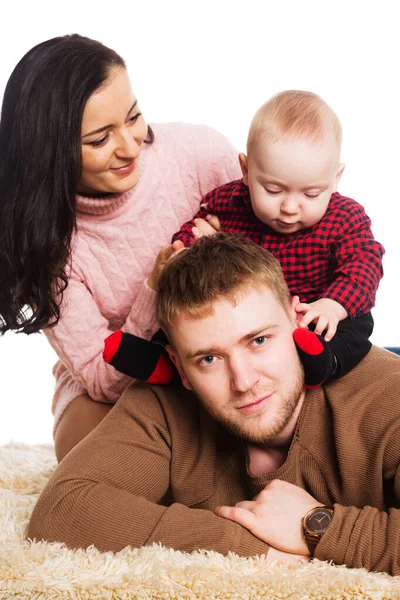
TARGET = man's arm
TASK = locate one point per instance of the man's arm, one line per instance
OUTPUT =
(363, 537)
(109, 490)
(357, 537)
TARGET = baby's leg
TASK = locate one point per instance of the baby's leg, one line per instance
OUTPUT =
(350, 344)
(324, 361)
(141, 359)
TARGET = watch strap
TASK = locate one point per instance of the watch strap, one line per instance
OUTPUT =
(312, 541)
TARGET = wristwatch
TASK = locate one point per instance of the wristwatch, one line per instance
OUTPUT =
(315, 523)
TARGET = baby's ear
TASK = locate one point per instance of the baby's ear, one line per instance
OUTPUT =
(177, 362)
(339, 174)
(244, 167)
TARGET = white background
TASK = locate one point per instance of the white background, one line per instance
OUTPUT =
(215, 62)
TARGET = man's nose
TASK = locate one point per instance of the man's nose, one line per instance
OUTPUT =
(243, 375)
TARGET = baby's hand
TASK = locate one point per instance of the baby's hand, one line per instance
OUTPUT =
(163, 257)
(325, 313)
(208, 226)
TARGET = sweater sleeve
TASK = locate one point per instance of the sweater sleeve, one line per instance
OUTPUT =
(110, 490)
(363, 537)
(78, 338)
(359, 264)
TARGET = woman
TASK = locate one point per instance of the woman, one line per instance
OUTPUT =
(89, 198)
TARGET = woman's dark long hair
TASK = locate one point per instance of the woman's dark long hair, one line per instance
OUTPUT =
(40, 166)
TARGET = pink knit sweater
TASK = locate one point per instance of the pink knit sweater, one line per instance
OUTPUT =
(114, 249)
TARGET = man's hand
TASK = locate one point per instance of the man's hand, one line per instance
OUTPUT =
(208, 226)
(325, 313)
(275, 516)
(163, 257)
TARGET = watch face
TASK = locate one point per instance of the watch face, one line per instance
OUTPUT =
(319, 520)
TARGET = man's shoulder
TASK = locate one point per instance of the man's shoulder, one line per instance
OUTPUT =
(356, 417)
(371, 388)
(377, 361)
(171, 406)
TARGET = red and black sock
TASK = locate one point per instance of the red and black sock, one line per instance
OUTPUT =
(138, 358)
(317, 357)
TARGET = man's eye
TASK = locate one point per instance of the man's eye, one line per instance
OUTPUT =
(208, 360)
(273, 192)
(312, 195)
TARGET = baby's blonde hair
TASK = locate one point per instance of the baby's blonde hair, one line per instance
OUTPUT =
(294, 112)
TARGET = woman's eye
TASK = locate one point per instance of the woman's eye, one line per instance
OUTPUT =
(134, 118)
(99, 142)
(260, 340)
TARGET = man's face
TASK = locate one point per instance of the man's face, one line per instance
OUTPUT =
(242, 363)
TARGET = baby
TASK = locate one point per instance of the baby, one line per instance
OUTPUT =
(288, 203)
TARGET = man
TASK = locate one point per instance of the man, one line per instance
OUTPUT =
(244, 459)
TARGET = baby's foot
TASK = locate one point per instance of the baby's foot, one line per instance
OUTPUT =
(317, 357)
(138, 358)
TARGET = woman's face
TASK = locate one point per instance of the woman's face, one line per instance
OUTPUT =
(113, 131)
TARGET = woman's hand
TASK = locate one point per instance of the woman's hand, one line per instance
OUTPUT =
(208, 226)
(162, 259)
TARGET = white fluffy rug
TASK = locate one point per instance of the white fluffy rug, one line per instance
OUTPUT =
(50, 571)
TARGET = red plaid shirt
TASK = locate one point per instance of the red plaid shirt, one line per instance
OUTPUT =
(337, 258)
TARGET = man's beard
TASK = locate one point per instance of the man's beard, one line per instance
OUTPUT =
(246, 428)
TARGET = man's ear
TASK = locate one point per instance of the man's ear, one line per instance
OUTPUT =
(176, 360)
(296, 316)
(244, 167)
(338, 176)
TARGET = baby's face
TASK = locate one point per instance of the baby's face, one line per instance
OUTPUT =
(291, 181)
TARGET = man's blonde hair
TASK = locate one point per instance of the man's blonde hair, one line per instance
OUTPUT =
(216, 267)
(301, 114)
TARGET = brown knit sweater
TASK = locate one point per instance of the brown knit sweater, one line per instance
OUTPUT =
(158, 465)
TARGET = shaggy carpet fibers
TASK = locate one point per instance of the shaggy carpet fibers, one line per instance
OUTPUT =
(50, 571)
